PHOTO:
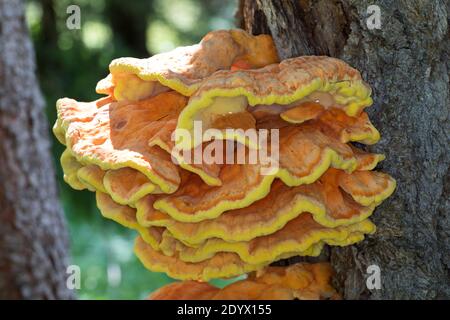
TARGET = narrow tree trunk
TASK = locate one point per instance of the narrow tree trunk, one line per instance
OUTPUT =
(407, 64)
(48, 33)
(127, 28)
(33, 238)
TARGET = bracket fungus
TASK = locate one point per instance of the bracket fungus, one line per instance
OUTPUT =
(138, 148)
(324, 80)
(300, 281)
(184, 68)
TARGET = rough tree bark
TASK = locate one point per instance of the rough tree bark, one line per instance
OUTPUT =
(33, 238)
(407, 64)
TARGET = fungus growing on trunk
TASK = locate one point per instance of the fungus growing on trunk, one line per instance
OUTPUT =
(327, 81)
(183, 69)
(200, 220)
(300, 281)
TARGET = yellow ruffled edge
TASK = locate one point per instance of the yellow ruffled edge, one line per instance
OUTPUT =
(266, 255)
(319, 213)
(115, 214)
(301, 204)
(118, 216)
(142, 191)
(368, 138)
(153, 244)
(139, 71)
(330, 157)
(110, 215)
(375, 200)
(58, 132)
(234, 270)
(79, 177)
(164, 185)
(378, 157)
(288, 119)
(208, 273)
(196, 104)
(137, 67)
(62, 127)
(258, 193)
(89, 181)
(70, 167)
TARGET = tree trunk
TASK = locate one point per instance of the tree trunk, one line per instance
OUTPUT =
(48, 33)
(128, 28)
(407, 64)
(33, 238)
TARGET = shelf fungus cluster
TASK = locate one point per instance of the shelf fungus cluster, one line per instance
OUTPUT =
(170, 152)
(299, 281)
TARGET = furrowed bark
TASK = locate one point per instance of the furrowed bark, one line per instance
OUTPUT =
(406, 62)
(33, 238)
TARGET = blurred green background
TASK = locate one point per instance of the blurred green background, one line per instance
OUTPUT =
(70, 62)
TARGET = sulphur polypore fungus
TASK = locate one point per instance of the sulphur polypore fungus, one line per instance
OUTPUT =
(299, 281)
(199, 220)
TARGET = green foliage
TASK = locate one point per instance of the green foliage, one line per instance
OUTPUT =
(70, 63)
